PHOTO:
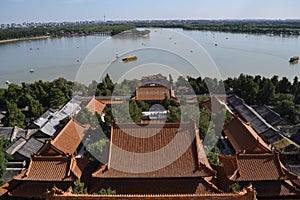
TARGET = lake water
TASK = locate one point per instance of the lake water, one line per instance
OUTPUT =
(232, 53)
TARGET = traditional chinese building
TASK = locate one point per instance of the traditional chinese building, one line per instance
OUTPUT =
(189, 172)
(264, 172)
(56, 164)
(154, 93)
(45, 172)
(243, 138)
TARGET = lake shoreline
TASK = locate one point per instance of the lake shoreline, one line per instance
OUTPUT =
(24, 39)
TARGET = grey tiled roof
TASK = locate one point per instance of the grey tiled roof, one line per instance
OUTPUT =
(6, 132)
(31, 146)
(268, 114)
(258, 123)
(49, 121)
(19, 143)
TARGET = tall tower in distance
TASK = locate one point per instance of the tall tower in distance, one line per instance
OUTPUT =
(104, 18)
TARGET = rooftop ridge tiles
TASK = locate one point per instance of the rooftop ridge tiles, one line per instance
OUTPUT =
(231, 127)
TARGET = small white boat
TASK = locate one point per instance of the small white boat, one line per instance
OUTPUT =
(31, 70)
(7, 82)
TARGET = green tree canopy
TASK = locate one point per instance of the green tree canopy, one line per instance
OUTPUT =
(14, 116)
(56, 98)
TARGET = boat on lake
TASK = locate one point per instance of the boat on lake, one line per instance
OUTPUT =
(129, 58)
(294, 59)
(31, 70)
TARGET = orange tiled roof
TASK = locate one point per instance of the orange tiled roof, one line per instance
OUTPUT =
(282, 188)
(36, 190)
(192, 163)
(243, 138)
(215, 101)
(255, 167)
(95, 105)
(245, 194)
(152, 93)
(67, 140)
(52, 168)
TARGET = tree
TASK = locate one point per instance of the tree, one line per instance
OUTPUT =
(14, 116)
(97, 149)
(3, 160)
(79, 187)
(121, 89)
(295, 86)
(204, 122)
(247, 88)
(212, 155)
(35, 108)
(284, 86)
(143, 105)
(106, 87)
(56, 98)
(87, 118)
(135, 111)
(190, 112)
(234, 187)
(13, 93)
(65, 86)
(266, 92)
(2, 98)
(92, 88)
(107, 191)
(284, 105)
(174, 114)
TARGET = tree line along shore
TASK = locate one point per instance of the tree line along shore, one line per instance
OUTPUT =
(279, 93)
(239, 26)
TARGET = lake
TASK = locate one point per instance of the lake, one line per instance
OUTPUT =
(165, 51)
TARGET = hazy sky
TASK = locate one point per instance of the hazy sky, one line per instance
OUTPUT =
(73, 10)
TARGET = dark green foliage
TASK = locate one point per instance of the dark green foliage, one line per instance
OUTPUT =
(247, 88)
(37, 97)
(143, 105)
(107, 191)
(212, 155)
(234, 187)
(174, 114)
(284, 105)
(254, 27)
(135, 111)
(190, 112)
(106, 87)
(266, 92)
(56, 98)
(79, 187)
(87, 118)
(64, 121)
(65, 86)
(14, 116)
(284, 86)
(125, 113)
(3, 160)
(204, 121)
(13, 33)
(35, 108)
(97, 148)
(12, 93)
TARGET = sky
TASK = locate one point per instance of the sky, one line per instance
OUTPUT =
(18, 11)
